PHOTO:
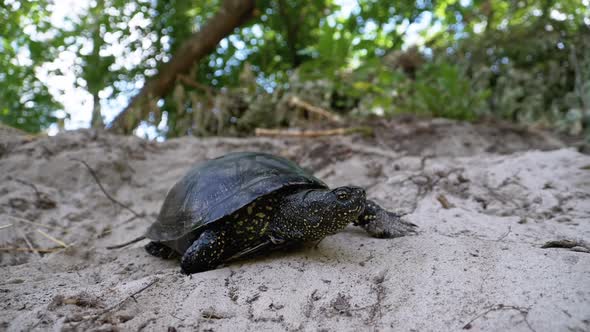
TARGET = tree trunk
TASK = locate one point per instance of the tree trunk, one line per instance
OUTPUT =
(231, 15)
(292, 31)
(96, 121)
(93, 61)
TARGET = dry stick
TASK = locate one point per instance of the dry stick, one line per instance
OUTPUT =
(43, 202)
(523, 311)
(309, 133)
(295, 101)
(5, 226)
(95, 177)
(136, 215)
(61, 243)
(132, 296)
(424, 187)
(29, 244)
(505, 234)
(362, 149)
(38, 250)
(128, 220)
(442, 199)
(37, 192)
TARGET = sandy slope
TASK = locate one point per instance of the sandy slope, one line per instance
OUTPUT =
(477, 265)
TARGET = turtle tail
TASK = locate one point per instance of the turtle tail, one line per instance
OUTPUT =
(122, 245)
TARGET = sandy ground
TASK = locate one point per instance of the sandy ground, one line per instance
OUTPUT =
(485, 200)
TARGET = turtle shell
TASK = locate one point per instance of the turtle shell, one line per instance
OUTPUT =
(217, 188)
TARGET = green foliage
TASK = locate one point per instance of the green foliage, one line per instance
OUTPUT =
(25, 102)
(442, 90)
(525, 61)
(527, 55)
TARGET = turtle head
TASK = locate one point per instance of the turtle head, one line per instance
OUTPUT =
(317, 213)
(345, 203)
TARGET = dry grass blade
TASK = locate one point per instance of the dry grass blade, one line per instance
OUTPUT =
(61, 243)
(5, 226)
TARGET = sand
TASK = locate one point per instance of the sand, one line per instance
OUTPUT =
(486, 200)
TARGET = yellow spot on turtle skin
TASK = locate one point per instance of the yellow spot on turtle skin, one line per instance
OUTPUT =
(268, 207)
(260, 215)
(264, 228)
(250, 208)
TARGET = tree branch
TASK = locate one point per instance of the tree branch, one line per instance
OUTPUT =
(231, 15)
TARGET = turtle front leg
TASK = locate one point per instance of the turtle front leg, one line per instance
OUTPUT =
(381, 223)
(206, 253)
(160, 250)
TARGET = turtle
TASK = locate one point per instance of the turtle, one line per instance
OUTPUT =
(244, 203)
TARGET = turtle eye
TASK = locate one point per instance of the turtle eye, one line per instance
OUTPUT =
(342, 195)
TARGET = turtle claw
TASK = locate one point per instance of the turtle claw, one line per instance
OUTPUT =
(381, 223)
(160, 250)
(276, 240)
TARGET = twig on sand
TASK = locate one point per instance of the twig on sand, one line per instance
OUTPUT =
(43, 201)
(29, 244)
(38, 250)
(442, 199)
(427, 182)
(51, 238)
(27, 183)
(128, 220)
(505, 234)
(118, 304)
(311, 133)
(95, 177)
(523, 311)
(296, 102)
(5, 226)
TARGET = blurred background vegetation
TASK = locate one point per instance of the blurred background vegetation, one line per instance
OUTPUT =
(524, 61)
